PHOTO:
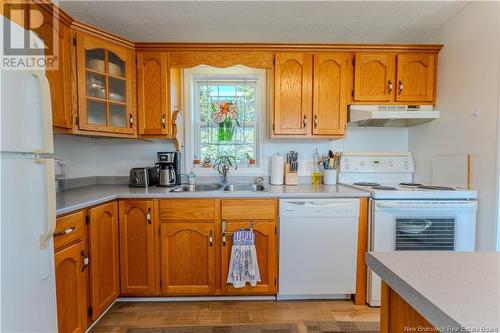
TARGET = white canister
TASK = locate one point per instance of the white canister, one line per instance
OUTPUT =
(277, 169)
(329, 177)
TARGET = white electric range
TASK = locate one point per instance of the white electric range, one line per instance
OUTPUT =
(405, 216)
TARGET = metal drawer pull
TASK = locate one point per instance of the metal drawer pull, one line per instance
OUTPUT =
(400, 87)
(211, 239)
(163, 121)
(85, 260)
(389, 87)
(148, 216)
(65, 232)
(223, 233)
(131, 120)
(305, 121)
(315, 121)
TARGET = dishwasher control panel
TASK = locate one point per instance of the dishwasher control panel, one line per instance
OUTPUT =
(319, 208)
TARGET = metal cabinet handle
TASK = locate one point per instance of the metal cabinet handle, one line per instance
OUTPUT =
(211, 239)
(400, 83)
(85, 260)
(315, 121)
(65, 232)
(389, 87)
(131, 120)
(148, 216)
(305, 122)
(223, 228)
(163, 121)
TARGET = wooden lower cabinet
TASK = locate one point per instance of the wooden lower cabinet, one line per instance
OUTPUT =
(187, 258)
(104, 257)
(267, 257)
(396, 315)
(137, 247)
(71, 288)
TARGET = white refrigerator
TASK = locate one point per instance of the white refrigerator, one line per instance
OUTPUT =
(28, 292)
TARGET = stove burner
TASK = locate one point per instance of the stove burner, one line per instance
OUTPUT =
(438, 188)
(366, 184)
(410, 184)
(385, 188)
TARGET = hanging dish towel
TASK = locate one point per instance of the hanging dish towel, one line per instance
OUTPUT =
(243, 266)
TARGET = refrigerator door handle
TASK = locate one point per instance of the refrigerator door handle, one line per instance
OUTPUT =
(51, 202)
(48, 141)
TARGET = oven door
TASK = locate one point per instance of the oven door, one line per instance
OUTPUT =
(419, 225)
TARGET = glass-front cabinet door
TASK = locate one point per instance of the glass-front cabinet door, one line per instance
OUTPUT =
(105, 83)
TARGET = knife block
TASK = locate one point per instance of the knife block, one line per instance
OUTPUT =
(291, 177)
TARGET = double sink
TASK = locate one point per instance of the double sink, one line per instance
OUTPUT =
(221, 188)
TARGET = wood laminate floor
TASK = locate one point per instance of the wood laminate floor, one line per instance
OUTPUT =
(124, 315)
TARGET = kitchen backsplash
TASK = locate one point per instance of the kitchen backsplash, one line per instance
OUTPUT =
(88, 157)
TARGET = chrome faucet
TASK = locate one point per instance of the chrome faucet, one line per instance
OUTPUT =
(222, 164)
(225, 173)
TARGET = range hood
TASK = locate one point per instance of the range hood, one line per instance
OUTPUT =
(390, 115)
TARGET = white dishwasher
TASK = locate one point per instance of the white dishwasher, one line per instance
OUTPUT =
(318, 246)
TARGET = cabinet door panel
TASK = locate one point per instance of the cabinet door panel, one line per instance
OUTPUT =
(374, 76)
(416, 73)
(330, 93)
(105, 77)
(292, 93)
(59, 75)
(187, 258)
(152, 91)
(104, 257)
(71, 289)
(137, 254)
(266, 247)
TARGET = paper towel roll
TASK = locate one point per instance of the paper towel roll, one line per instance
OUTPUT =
(277, 169)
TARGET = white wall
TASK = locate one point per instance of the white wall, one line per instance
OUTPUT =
(114, 157)
(468, 81)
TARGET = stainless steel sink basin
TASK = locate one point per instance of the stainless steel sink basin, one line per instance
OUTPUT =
(245, 188)
(219, 187)
(197, 188)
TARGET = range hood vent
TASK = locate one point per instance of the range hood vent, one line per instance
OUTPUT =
(390, 115)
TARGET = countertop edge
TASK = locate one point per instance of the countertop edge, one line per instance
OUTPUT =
(419, 302)
(290, 195)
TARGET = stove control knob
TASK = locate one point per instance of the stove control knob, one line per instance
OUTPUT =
(406, 166)
(390, 163)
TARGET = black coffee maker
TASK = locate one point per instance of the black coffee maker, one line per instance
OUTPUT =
(169, 165)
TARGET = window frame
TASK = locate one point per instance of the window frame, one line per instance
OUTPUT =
(192, 130)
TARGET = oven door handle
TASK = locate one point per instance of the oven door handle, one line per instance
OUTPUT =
(428, 205)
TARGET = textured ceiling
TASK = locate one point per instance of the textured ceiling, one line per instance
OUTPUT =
(268, 21)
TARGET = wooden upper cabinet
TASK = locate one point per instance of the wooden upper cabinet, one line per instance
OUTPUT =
(374, 77)
(71, 288)
(188, 258)
(106, 88)
(137, 250)
(292, 93)
(152, 92)
(104, 257)
(267, 257)
(330, 93)
(416, 74)
(59, 75)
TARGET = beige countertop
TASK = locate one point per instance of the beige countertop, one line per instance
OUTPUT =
(82, 197)
(454, 291)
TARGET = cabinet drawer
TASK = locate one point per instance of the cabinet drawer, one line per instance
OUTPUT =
(69, 228)
(252, 209)
(188, 210)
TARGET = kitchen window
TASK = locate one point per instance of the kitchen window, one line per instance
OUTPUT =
(225, 112)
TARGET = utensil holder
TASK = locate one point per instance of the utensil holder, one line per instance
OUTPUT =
(291, 177)
(330, 177)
